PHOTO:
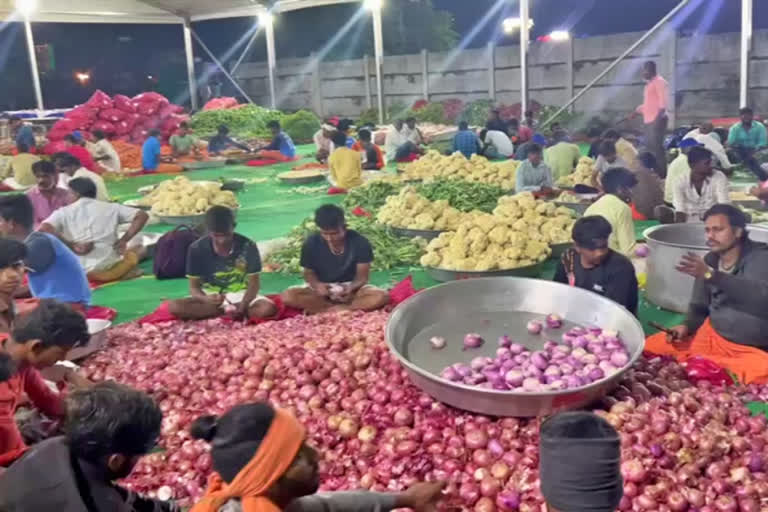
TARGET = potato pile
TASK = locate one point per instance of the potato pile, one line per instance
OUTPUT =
(180, 196)
(517, 234)
(582, 175)
(410, 210)
(476, 169)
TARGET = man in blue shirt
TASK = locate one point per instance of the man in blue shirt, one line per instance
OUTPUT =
(466, 141)
(24, 133)
(54, 270)
(281, 148)
(747, 137)
(150, 152)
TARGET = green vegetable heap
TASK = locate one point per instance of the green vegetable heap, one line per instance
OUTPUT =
(465, 196)
(371, 196)
(389, 250)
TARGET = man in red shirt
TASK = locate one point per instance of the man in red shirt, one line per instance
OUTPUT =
(36, 341)
(654, 112)
(76, 148)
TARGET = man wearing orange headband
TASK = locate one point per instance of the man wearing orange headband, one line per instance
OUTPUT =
(263, 464)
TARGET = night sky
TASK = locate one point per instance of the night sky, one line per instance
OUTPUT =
(122, 57)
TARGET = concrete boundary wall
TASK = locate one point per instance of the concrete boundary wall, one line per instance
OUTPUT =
(703, 72)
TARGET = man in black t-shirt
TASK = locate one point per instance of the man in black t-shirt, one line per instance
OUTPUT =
(223, 271)
(593, 266)
(337, 263)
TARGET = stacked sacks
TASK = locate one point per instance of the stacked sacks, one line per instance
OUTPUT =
(121, 117)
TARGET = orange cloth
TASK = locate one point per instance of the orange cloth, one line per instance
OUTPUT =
(164, 168)
(273, 458)
(749, 364)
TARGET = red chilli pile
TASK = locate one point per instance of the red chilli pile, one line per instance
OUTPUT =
(685, 448)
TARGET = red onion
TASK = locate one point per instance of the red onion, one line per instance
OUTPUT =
(472, 340)
(554, 321)
(508, 501)
(535, 327)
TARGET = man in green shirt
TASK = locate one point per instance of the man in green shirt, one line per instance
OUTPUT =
(563, 156)
(613, 206)
(184, 143)
(746, 138)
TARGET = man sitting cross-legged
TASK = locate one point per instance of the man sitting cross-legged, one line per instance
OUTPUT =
(337, 264)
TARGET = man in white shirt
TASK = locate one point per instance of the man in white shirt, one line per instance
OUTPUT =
(701, 188)
(678, 169)
(69, 168)
(104, 153)
(90, 228)
(706, 136)
(412, 132)
(397, 146)
(497, 144)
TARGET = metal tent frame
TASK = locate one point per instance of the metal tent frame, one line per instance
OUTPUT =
(185, 12)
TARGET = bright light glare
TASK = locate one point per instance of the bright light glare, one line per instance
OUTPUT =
(372, 5)
(26, 7)
(511, 25)
(266, 18)
(559, 35)
(82, 77)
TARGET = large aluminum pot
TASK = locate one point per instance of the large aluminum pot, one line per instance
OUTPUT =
(665, 286)
(491, 307)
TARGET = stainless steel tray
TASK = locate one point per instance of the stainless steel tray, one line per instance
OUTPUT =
(302, 181)
(413, 233)
(178, 220)
(493, 307)
(444, 275)
(203, 164)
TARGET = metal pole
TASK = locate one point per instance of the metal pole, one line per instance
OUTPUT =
(220, 65)
(188, 50)
(378, 43)
(620, 58)
(245, 52)
(746, 51)
(367, 76)
(524, 40)
(269, 27)
(33, 64)
(492, 70)
(570, 72)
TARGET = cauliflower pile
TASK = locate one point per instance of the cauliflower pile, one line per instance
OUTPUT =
(477, 169)
(180, 196)
(517, 234)
(410, 210)
(582, 175)
(542, 219)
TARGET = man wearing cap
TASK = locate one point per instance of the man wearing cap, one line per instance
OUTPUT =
(580, 463)
(726, 321)
(593, 266)
(324, 143)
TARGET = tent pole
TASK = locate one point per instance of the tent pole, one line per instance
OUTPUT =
(189, 52)
(378, 43)
(746, 51)
(33, 63)
(524, 40)
(220, 66)
(269, 27)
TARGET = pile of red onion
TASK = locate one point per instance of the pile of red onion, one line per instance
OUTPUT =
(586, 355)
(685, 448)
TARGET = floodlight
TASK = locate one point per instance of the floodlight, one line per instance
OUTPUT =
(559, 35)
(26, 7)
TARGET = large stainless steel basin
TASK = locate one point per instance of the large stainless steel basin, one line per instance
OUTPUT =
(492, 307)
(665, 286)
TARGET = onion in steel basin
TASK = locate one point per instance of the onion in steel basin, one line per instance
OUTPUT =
(437, 342)
(472, 340)
(591, 355)
(535, 327)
